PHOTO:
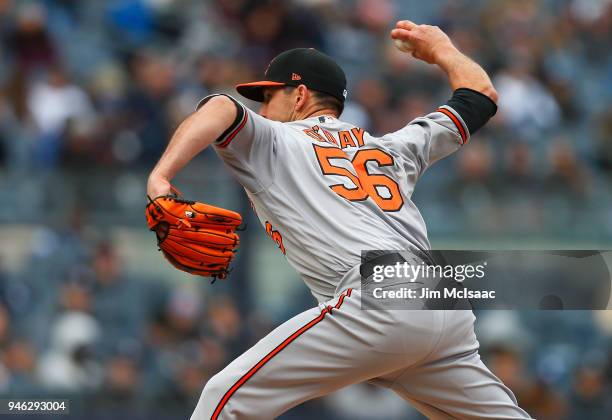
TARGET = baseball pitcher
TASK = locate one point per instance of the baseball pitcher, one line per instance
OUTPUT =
(325, 190)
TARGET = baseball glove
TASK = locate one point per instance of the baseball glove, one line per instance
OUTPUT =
(194, 237)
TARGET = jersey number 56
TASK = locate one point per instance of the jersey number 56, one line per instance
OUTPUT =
(366, 184)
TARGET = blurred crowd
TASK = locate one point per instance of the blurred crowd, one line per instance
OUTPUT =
(90, 92)
(74, 325)
(96, 87)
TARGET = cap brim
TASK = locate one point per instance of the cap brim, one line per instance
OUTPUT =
(254, 90)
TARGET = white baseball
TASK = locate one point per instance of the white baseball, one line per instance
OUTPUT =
(405, 46)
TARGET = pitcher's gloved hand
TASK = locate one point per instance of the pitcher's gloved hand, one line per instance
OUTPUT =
(194, 237)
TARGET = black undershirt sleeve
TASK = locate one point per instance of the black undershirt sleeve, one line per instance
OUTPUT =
(474, 107)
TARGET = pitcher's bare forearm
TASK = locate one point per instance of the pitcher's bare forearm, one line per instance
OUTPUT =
(463, 72)
(193, 135)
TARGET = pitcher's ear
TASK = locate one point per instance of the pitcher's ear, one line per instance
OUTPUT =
(302, 94)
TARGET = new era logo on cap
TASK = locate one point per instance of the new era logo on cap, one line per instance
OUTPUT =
(295, 76)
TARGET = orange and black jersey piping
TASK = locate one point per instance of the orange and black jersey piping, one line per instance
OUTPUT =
(238, 124)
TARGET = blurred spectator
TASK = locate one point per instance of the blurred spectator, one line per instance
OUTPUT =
(4, 325)
(223, 321)
(182, 315)
(190, 380)
(83, 146)
(567, 177)
(14, 142)
(507, 364)
(286, 26)
(566, 184)
(119, 304)
(18, 357)
(30, 42)
(55, 101)
(536, 397)
(69, 364)
(590, 394)
(52, 105)
(122, 381)
(474, 188)
(520, 167)
(214, 355)
(371, 95)
(524, 102)
(603, 151)
(4, 138)
(75, 297)
(131, 22)
(145, 112)
(543, 402)
(520, 209)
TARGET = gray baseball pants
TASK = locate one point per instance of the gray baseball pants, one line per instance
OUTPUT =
(430, 358)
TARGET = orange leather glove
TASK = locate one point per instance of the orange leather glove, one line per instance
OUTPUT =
(194, 237)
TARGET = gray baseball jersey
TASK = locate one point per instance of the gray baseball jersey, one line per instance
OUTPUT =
(325, 190)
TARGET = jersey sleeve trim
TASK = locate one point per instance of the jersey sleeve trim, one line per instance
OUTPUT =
(237, 125)
(225, 141)
(456, 119)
